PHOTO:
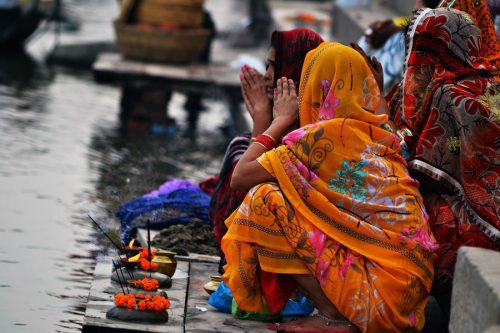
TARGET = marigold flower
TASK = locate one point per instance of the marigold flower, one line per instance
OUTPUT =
(142, 302)
(144, 254)
(120, 300)
(131, 303)
(146, 265)
(159, 307)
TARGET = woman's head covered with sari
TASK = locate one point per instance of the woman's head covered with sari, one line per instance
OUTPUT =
(291, 48)
(445, 101)
(443, 46)
(337, 83)
(478, 9)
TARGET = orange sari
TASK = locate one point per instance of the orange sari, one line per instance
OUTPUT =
(343, 207)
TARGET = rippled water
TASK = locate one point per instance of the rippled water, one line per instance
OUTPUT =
(62, 154)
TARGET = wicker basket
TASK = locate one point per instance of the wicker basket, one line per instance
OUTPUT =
(170, 46)
(185, 13)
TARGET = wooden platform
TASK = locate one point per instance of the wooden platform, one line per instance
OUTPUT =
(113, 68)
(189, 311)
(205, 80)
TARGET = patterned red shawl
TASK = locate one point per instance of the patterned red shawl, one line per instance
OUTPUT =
(456, 135)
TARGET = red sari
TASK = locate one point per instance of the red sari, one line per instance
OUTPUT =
(455, 133)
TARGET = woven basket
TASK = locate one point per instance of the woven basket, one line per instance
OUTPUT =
(185, 13)
(170, 46)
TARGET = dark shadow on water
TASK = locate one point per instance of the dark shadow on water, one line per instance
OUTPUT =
(132, 165)
(19, 70)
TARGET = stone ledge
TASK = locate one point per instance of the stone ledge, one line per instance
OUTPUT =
(475, 302)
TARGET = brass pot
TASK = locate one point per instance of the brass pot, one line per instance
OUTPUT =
(213, 284)
(166, 262)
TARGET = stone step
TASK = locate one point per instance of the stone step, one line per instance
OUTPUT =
(475, 300)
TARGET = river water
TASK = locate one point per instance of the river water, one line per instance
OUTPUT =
(62, 155)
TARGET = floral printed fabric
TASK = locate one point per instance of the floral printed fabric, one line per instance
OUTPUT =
(479, 10)
(455, 131)
(343, 208)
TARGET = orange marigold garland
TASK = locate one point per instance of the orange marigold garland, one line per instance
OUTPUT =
(144, 254)
(146, 284)
(148, 266)
(157, 303)
(144, 260)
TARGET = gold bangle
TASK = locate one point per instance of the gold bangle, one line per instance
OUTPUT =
(260, 144)
(253, 139)
(270, 137)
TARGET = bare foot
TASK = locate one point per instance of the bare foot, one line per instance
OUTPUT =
(312, 324)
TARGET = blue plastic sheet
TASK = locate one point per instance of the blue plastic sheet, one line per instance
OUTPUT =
(180, 206)
(221, 299)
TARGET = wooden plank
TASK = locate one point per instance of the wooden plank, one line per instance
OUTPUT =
(113, 68)
(201, 317)
(101, 295)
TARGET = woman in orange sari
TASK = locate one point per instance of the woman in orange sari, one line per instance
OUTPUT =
(331, 210)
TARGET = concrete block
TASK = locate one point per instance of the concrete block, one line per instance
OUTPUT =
(475, 301)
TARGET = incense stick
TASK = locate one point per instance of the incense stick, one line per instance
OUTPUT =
(149, 249)
(120, 248)
(125, 281)
(118, 275)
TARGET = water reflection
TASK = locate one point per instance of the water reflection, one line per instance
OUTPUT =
(129, 166)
